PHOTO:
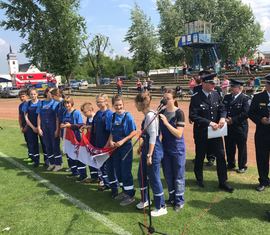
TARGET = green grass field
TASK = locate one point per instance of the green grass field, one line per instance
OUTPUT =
(29, 207)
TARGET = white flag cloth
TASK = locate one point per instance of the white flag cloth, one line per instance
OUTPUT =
(83, 150)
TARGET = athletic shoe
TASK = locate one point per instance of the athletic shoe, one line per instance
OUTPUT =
(68, 170)
(121, 196)
(103, 188)
(50, 167)
(28, 159)
(177, 208)
(71, 176)
(57, 168)
(87, 181)
(127, 201)
(142, 205)
(33, 164)
(159, 212)
(169, 203)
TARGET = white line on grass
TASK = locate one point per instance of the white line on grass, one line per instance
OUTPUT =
(97, 216)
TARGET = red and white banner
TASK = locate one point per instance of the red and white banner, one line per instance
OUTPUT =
(83, 151)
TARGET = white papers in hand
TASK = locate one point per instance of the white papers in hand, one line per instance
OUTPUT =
(217, 133)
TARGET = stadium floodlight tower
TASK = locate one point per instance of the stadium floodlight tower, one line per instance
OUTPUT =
(198, 36)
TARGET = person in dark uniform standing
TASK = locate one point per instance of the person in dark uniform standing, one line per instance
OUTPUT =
(237, 107)
(259, 114)
(209, 156)
(207, 110)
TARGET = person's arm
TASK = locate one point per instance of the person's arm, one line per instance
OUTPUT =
(29, 123)
(40, 132)
(180, 123)
(127, 138)
(244, 114)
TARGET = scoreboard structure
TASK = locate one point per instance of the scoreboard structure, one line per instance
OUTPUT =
(198, 35)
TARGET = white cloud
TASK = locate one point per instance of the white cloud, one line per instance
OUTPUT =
(125, 7)
(2, 42)
(261, 10)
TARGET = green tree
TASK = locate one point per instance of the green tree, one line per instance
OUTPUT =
(234, 25)
(94, 53)
(142, 39)
(51, 29)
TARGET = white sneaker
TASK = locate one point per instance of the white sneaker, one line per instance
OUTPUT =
(159, 212)
(57, 168)
(142, 205)
(50, 167)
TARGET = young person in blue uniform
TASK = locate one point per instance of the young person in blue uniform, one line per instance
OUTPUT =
(100, 133)
(88, 111)
(237, 107)
(151, 156)
(259, 113)
(23, 96)
(48, 128)
(30, 112)
(172, 127)
(123, 129)
(207, 110)
(72, 118)
(60, 109)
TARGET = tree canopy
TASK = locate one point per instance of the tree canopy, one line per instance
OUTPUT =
(51, 29)
(234, 25)
(142, 39)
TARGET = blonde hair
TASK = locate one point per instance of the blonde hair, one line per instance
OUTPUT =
(87, 106)
(105, 97)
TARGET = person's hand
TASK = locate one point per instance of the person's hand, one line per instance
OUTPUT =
(229, 120)
(214, 125)
(35, 129)
(149, 160)
(139, 150)
(164, 119)
(56, 133)
(111, 144)
(40, 132)
(265, 121)
(221, 122)
(119, 143)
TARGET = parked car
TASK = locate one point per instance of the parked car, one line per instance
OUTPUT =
(75, 84)
(105, 81)
(10, 92)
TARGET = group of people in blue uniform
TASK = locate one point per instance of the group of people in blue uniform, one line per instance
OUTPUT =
(161, 143)
(161, 139)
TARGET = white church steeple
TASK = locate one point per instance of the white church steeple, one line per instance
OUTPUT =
(12, 62)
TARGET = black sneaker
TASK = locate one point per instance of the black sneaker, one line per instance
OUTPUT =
(169, 203)
(103, 188)
(71, 176)
(241, 171)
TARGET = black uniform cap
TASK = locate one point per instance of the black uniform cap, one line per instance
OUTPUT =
(209, 78)
(234, 82)
(267, 78)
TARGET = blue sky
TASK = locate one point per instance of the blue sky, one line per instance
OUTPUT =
(112, 18)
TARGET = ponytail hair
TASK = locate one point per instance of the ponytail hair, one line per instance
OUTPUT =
(173, 93)
(144, 98)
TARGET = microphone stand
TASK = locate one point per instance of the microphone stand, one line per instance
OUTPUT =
(150, 228)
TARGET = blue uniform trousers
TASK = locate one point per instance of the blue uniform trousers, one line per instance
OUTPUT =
(173, 165)
(120, 170)
(57, 152)
(93, 172)
(49, 141)
(33, 146)
(153, 174)
(81, 167)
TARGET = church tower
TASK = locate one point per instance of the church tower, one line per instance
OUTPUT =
(12, 62)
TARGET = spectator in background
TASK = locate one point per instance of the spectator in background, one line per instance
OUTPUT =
(139, 85)
(217, 67)
(225, 85)
(185, 67)
(149, 84)
(238, 66)
(119, 85)
(191, 84)
(257, 84)
(145, 85)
